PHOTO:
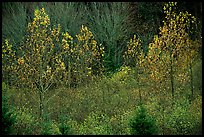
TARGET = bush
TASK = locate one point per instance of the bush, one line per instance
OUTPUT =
(8, 116)
(184, 117)
(96, 124)
(8, 119)
(26, 123)
(120, 123)
(50, 128)
(142, 123)
(64, 128)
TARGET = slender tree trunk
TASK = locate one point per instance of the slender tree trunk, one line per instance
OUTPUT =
(171, 76)
(41, 89)
(191, 76)
(139, 89)
(172, 82)
(69, 73)
(41, 104)
(137, 77)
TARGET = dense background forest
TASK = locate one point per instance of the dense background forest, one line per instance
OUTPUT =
(102, 68)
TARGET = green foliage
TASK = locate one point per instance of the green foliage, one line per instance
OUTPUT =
(122, 75)
(50, 128)
(26, 123)
(142, 123)
(120, 123)
(8, 115)
(64, 126)
(8, 119)
(118, 103)
(197, 75)
(182, 119)
(96, 124)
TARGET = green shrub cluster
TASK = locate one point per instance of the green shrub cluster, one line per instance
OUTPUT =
(179, 118)
(50, 128)
(8, 115)
(183, 118)
(64, 126)
(26, 123)
(96, 123)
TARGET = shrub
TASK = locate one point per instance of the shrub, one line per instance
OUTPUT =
(184, 117)
(120, 123)
(142, 123)
(96, 124)
(50, 128)
(8, 119)
(196, 112)
(26, 123)
(122, 75)
(64, 128)
(8, 116)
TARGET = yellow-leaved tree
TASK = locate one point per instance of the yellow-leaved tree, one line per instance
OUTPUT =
(133, 57)
(48, 57)
(41, 58)
(168, 53)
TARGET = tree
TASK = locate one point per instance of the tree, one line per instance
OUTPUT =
(142, 123)
(133, 57)
(111, 23)
(167, 51)
(8, 113)
(40, 63)
(49, 58)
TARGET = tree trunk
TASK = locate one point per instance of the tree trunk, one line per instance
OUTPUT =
(137, 77)
(41, 104)
(191, 76)
(171, 77)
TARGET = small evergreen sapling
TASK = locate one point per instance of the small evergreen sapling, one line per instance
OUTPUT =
(142, 123)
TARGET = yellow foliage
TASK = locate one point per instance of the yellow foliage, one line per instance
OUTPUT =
(122, 75)
(134, 51)
(8, 61)
(169, 49)
(50, 56)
